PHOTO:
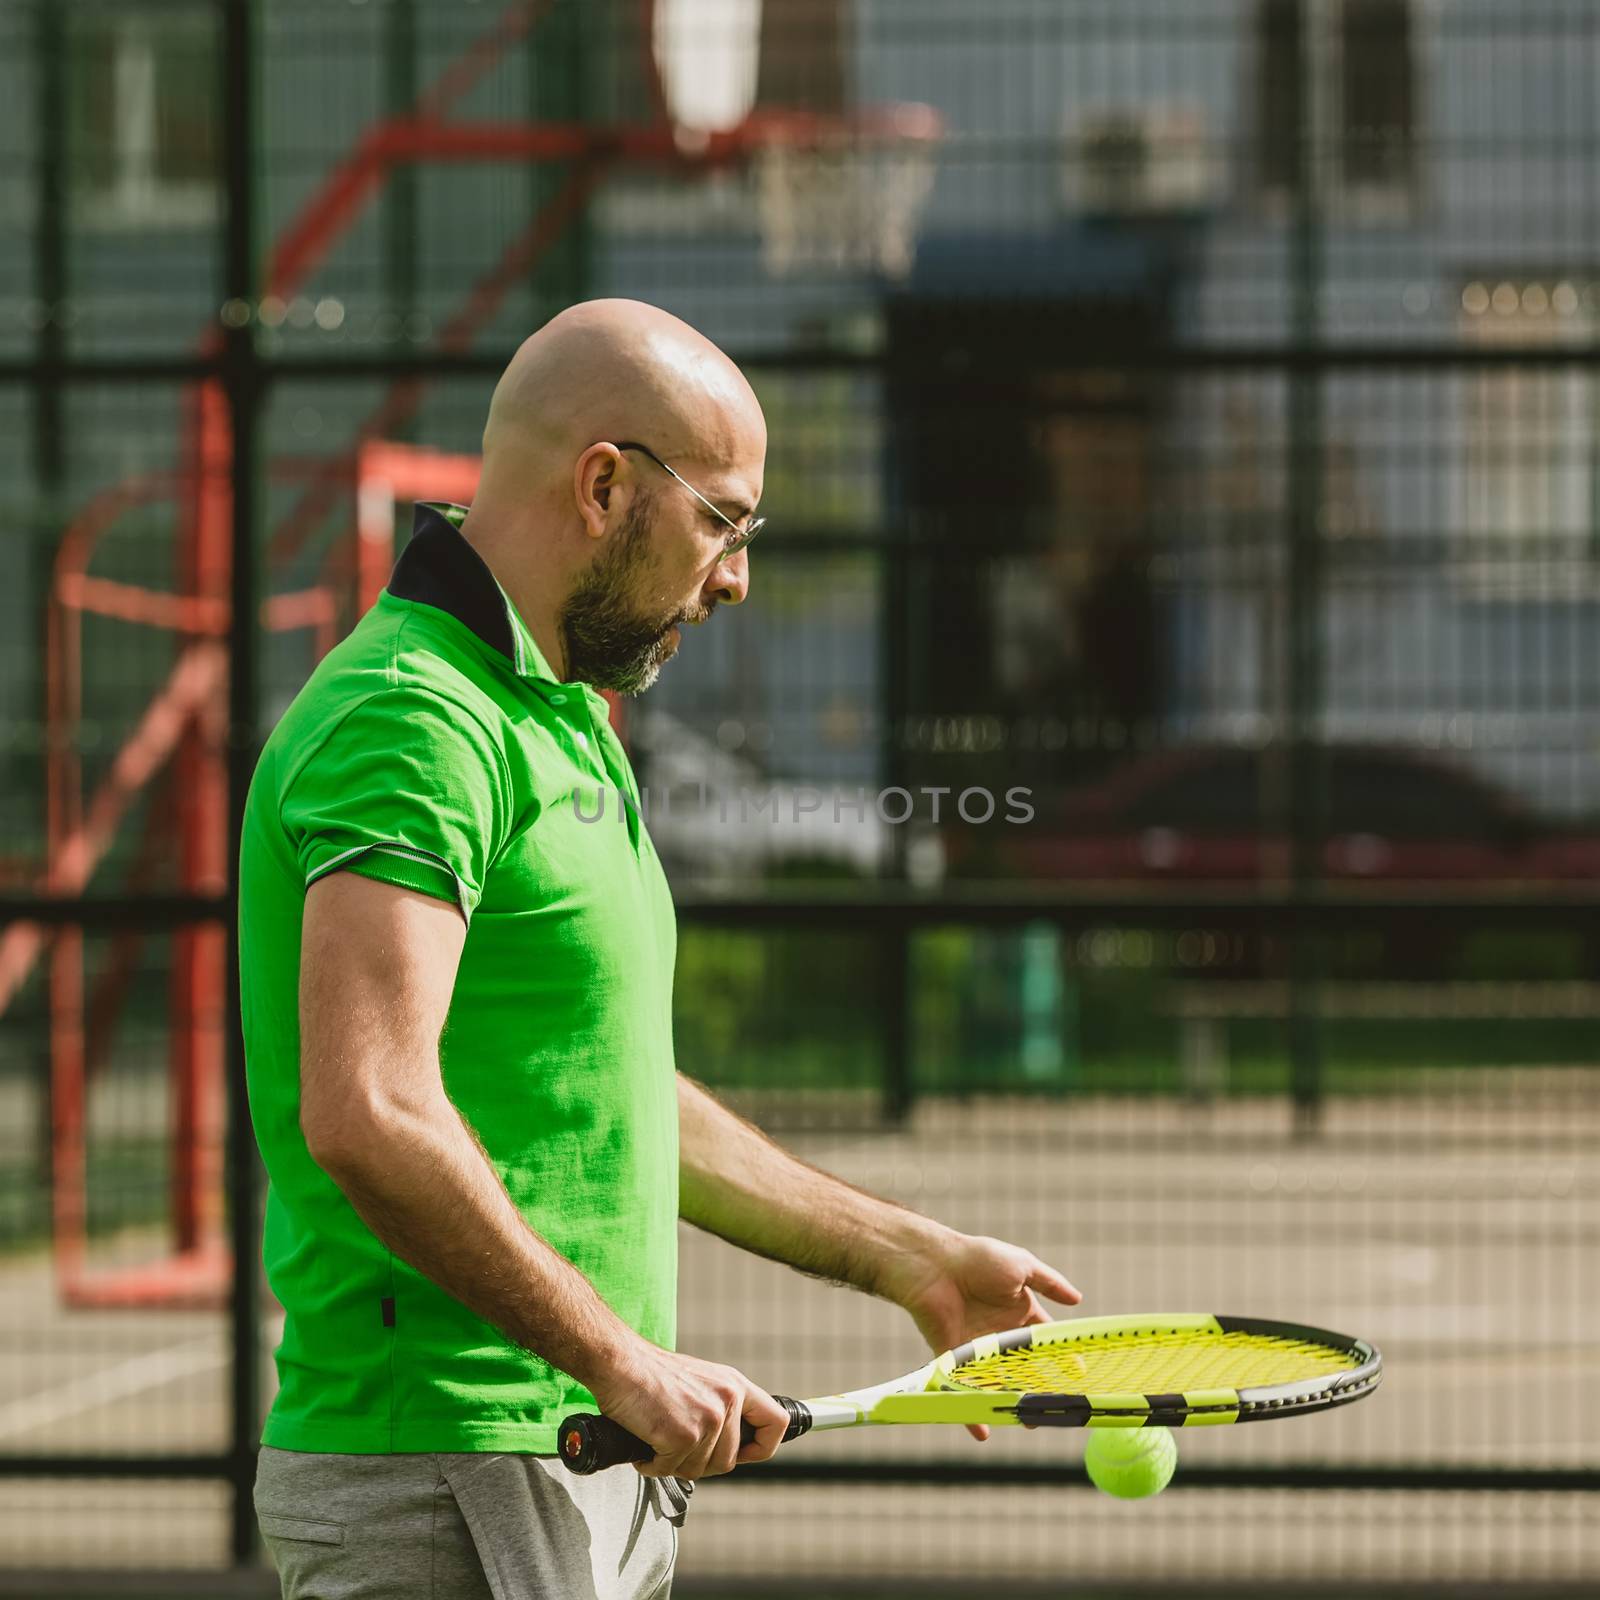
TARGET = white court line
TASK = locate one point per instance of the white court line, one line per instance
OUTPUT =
(111, 1383)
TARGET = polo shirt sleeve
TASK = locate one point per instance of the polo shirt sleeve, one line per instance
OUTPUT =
(407, 789)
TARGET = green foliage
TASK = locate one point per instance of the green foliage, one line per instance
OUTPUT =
(781, 1010)
(804, 1010)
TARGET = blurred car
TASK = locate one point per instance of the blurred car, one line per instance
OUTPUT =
(1216, 813)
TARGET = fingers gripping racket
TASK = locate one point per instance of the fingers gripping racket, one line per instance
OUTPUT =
(1180, 1370)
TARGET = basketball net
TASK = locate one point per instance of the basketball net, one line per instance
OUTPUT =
(844, 198)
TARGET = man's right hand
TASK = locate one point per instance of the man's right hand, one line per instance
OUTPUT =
(690, 1411)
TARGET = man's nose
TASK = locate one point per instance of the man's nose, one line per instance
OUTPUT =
(729, 582)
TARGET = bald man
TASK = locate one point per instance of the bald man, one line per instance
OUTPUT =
(457, 1001)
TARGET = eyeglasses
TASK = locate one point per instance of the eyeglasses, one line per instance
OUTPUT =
(741, 536)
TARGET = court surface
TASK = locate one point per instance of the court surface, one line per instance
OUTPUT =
(1456, 1228)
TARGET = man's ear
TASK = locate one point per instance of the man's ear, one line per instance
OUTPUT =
(594, 481)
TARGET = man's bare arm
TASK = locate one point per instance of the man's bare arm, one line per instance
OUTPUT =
(378, 966)
(736, 1183)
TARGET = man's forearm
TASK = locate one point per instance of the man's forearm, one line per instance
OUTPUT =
(419, 1179)
(736, 1183)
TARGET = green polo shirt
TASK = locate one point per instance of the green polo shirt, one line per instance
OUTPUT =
(433, 749)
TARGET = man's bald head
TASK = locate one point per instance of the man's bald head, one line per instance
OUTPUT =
(615, 370)
(602, 551)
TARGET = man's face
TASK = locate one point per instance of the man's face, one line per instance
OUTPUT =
(620, 625)
(617, 630)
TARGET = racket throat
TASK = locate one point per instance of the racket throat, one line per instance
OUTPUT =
(862, 1406)
(834, 1411)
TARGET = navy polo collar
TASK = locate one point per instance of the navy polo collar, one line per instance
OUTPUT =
(440, 568)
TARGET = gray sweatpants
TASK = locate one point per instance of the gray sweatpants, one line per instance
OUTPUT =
(464, 1527)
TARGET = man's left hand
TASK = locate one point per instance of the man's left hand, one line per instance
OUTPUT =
(961, 1286)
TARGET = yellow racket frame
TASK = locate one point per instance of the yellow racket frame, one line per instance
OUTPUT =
(1271, 1369)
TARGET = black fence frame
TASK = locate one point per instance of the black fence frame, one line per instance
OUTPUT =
(895, 912)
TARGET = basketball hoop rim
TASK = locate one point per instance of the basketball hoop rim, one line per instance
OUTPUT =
(908, 124)
(904, 122)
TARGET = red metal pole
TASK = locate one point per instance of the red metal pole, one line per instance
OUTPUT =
(200, 810)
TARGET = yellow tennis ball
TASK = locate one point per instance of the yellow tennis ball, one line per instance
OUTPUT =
(1130, 1463)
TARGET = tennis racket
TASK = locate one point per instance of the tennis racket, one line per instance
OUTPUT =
(1183, 1370)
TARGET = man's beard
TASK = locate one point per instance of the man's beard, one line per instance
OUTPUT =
(608, 643)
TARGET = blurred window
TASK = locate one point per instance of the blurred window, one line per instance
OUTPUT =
(1377, 134)
(143, 119)
(1363, 102)
(1532, 438)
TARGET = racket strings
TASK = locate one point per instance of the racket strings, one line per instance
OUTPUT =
(1154, 1363)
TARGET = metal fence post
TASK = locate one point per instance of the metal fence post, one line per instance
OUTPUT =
(49, 290)
(242, 380)
(1305, 581)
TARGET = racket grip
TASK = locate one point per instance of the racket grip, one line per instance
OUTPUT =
(590, 1444)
